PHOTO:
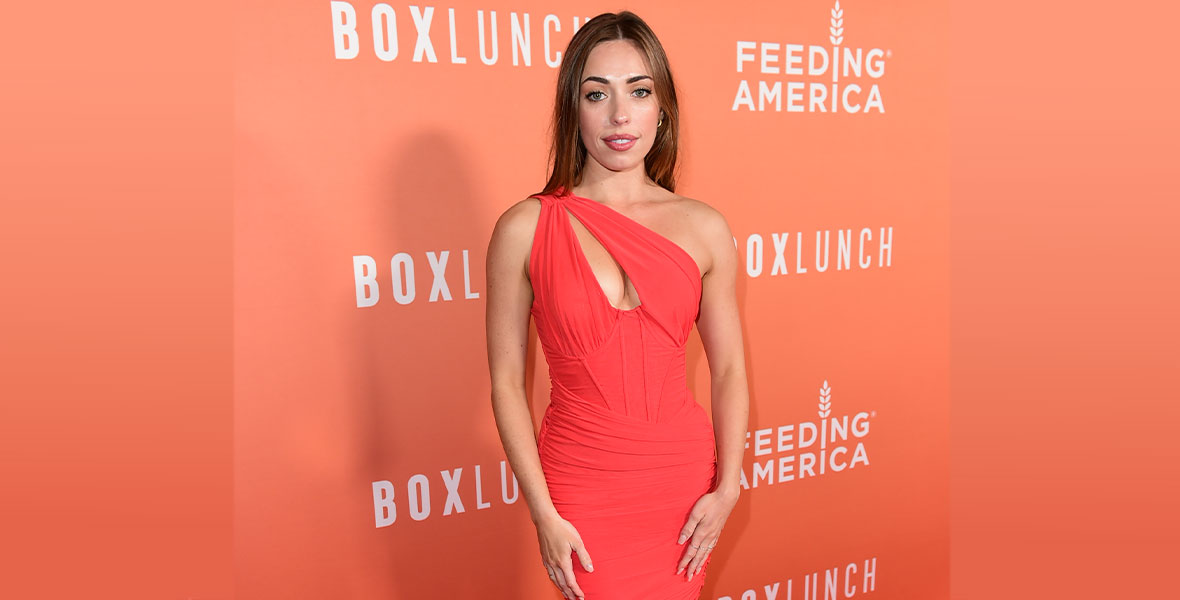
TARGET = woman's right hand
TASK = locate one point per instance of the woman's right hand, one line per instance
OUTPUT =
(557, 538)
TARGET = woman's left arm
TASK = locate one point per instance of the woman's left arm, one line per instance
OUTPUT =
(721, 334)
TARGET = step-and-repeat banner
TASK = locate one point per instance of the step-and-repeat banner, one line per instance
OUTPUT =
(376, 144)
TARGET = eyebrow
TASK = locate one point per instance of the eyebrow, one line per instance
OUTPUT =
(603, 79)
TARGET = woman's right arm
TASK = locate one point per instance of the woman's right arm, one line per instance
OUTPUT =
(509, 298)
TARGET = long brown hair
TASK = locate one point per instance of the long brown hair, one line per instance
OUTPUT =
(567, 154)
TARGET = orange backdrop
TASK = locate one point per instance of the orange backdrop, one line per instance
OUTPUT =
(369, 170)
(117, 356)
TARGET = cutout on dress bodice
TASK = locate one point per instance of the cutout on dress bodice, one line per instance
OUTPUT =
(612, 277)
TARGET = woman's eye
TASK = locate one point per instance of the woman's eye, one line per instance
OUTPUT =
(597, 95)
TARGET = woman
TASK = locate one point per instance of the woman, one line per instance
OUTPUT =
(628, 483)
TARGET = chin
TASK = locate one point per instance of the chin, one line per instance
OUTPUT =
(619, 166)
(635, 158)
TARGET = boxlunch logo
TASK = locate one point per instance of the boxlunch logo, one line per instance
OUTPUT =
(814, 94)
(392, 33)
(412, 496)
(832, 444)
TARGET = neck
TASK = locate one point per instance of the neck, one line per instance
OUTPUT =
(616, 188)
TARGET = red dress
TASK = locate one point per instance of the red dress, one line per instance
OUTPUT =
(625, 448)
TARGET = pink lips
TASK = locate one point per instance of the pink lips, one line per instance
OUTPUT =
(620, 142)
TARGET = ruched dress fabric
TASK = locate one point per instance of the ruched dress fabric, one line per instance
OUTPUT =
(625, 448)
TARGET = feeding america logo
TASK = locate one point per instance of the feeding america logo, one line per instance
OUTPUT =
(830, 444)
(854, 74)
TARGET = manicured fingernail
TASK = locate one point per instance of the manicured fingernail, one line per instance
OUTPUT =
(681, 540)
(589, 567)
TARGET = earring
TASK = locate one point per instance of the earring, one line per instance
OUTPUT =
(661, 121)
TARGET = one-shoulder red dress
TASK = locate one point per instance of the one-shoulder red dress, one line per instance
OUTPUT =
(625, 448)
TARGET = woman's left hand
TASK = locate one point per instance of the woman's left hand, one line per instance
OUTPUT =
(704, 525)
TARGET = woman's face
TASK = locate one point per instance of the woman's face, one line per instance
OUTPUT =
(617, 102)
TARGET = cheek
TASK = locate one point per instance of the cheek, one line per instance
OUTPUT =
(588, 116)
(587, 125)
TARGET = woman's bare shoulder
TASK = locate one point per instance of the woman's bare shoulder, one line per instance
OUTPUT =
(519, 219)
(709, 230)
(512, 236)
(705, 218)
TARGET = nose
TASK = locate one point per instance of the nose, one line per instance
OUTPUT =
(620, 115)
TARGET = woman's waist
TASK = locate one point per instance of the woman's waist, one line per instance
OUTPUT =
(674, 415)
(596, 436)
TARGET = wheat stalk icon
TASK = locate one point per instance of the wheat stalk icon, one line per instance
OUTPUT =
(825, 400)
(837, 28)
